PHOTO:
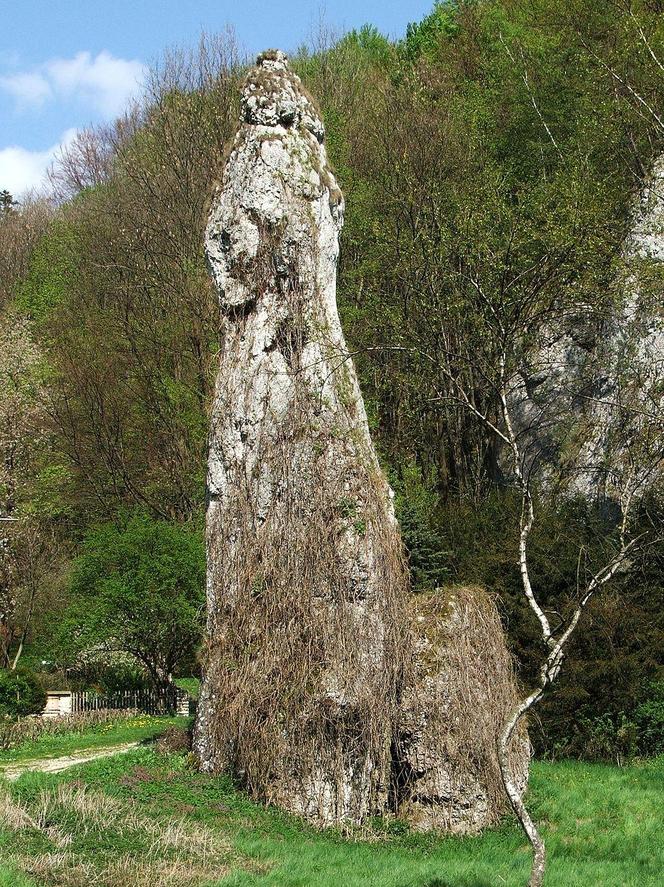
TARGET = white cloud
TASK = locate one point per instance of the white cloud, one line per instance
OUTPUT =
(27, 89)
(22, 170)
(106, 82)
(103, 82)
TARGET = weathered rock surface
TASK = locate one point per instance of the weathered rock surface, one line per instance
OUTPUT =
(596, 366)
(454, 704)
(309, 650)
(306, 578)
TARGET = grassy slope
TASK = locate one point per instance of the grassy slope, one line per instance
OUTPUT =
(602, 825)
(138, 729)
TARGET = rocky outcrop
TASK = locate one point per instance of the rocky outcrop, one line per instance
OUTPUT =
(455, 698)
(601, 371)
(643, 283)
(306, 578)
(309, 649)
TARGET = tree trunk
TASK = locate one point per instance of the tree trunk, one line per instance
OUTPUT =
(514, 793)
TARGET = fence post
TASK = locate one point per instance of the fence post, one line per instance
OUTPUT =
(182, 703)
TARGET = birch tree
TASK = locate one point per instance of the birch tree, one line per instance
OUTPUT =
(570, 419)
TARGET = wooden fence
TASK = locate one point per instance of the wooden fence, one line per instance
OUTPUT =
(154, 702)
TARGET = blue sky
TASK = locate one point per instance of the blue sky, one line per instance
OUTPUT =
(65, 64)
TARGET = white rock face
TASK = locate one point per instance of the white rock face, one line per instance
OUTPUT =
(594, 369)
(306, 577)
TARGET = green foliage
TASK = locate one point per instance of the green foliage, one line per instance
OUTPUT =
(649, 721)
(368, 41)
(115, 677)
(53, 270)
(20, 694)
(424, 38)
(191, 685)
(51, 493)
(416, 504)
(619, 736)
(137, 587)
(499, 144)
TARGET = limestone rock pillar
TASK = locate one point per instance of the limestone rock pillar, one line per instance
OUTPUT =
(306, 578)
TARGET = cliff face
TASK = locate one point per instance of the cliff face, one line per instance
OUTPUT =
(602, 371)
(306, 577)
(644, 283)
(314, 694)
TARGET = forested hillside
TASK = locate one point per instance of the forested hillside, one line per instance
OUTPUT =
(491, 162)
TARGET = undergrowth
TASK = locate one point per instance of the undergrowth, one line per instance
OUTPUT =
(14, 733)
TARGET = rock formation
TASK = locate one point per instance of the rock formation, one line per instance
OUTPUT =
(309, 650)
(456, 693)
(594, 366)
(306, 578)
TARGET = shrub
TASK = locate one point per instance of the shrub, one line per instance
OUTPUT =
(649, 721)
(174, 740)
(618, 736)
(608, 738)
(20, 694)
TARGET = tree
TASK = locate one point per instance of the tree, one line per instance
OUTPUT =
(121, 299)
(137, 588)
(36, 558)
(22, 438)
(524, 284)
(20, 230)
(7, 202)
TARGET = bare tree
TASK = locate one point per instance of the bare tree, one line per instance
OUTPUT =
(628, 480)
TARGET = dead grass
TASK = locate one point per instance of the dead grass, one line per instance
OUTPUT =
(96, 839)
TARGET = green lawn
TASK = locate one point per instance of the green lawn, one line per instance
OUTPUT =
(139, 729)
(191, 685)
(603, 827)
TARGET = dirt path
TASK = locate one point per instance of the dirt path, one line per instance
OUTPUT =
(55, 765)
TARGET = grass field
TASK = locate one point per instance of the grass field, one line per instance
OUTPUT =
(139, 729)
(148, 819)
